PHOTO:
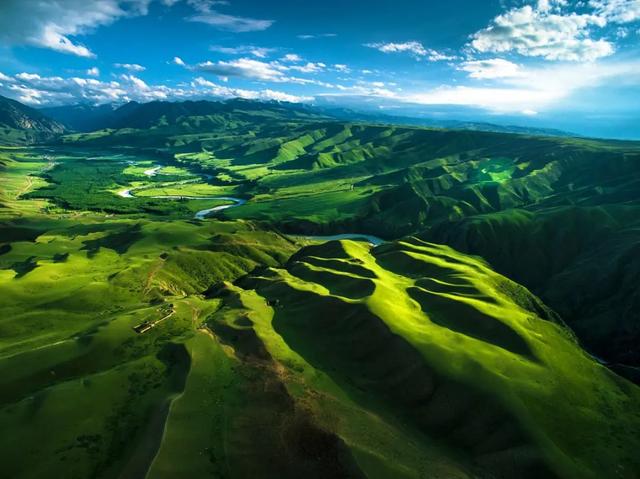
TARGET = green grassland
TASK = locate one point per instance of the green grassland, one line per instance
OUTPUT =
(581, 260)
(459, 352)
(464, 188)
(390, 180)
(269, 355)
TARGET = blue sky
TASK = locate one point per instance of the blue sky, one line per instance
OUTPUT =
(567, 64)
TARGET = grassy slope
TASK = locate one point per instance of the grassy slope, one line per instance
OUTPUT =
(82, 395)
(459, 352)
(582, 260)
(322, 175)
(509, 198)
(511, 388)
(471, 190)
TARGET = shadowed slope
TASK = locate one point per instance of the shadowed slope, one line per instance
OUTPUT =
(480, 364)
(582, 261)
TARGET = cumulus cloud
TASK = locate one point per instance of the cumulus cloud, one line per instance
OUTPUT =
(268, 94)
(542, 33)
(309, 67)
(37, 90)
(178, 61)
(252, 69)
(242, 67)
(94, 72)
(258, 52)
(54, 24)
(291, 57)
(4, 77)
(617, 11)
(132, 67)
(137, 82)
(416, 49)
(490, 69)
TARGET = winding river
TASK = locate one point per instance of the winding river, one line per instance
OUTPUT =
(235, 202)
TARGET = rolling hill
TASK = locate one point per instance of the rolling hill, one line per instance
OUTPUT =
(581, 260)
(418, 333)
(148, 334)
(469, 189)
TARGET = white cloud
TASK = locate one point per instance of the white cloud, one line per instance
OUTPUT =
(540, 33)
(258, 52)
(291, 57)
(273, 71)
(242, 67)
(53, 24)
(317, 35)
(37, 90)
(178, 61)
(226, 92)
(494, 98)
(490, 69)
(412, 47)
(94, 72)
(207, 14)
(309, 67)
(231, 23)
(132, 67)
(547, 5)
(341, 68)
(532, 90)
(617, 11)
(415, 48)
(140, 84)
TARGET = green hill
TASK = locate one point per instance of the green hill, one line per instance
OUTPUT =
(583, 261)
(419, 334)
(142, 337)
(324, 177)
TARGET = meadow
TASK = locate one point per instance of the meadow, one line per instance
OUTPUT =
(138, 340)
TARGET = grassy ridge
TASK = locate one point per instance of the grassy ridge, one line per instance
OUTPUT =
(461, 353)
(82, 394)
(406, 361)
(582, 260)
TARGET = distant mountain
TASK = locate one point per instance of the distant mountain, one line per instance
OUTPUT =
(198, 114)
(22, 124)
(186, 114)
(82, 117)
(192, 113)
(354, 115)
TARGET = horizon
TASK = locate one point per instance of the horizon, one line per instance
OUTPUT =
(571, 66)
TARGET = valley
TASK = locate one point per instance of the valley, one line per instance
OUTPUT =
(245, 289)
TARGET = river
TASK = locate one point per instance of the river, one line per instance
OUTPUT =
(202, 214)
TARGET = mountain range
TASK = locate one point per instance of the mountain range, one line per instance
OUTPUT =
(86, 118)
